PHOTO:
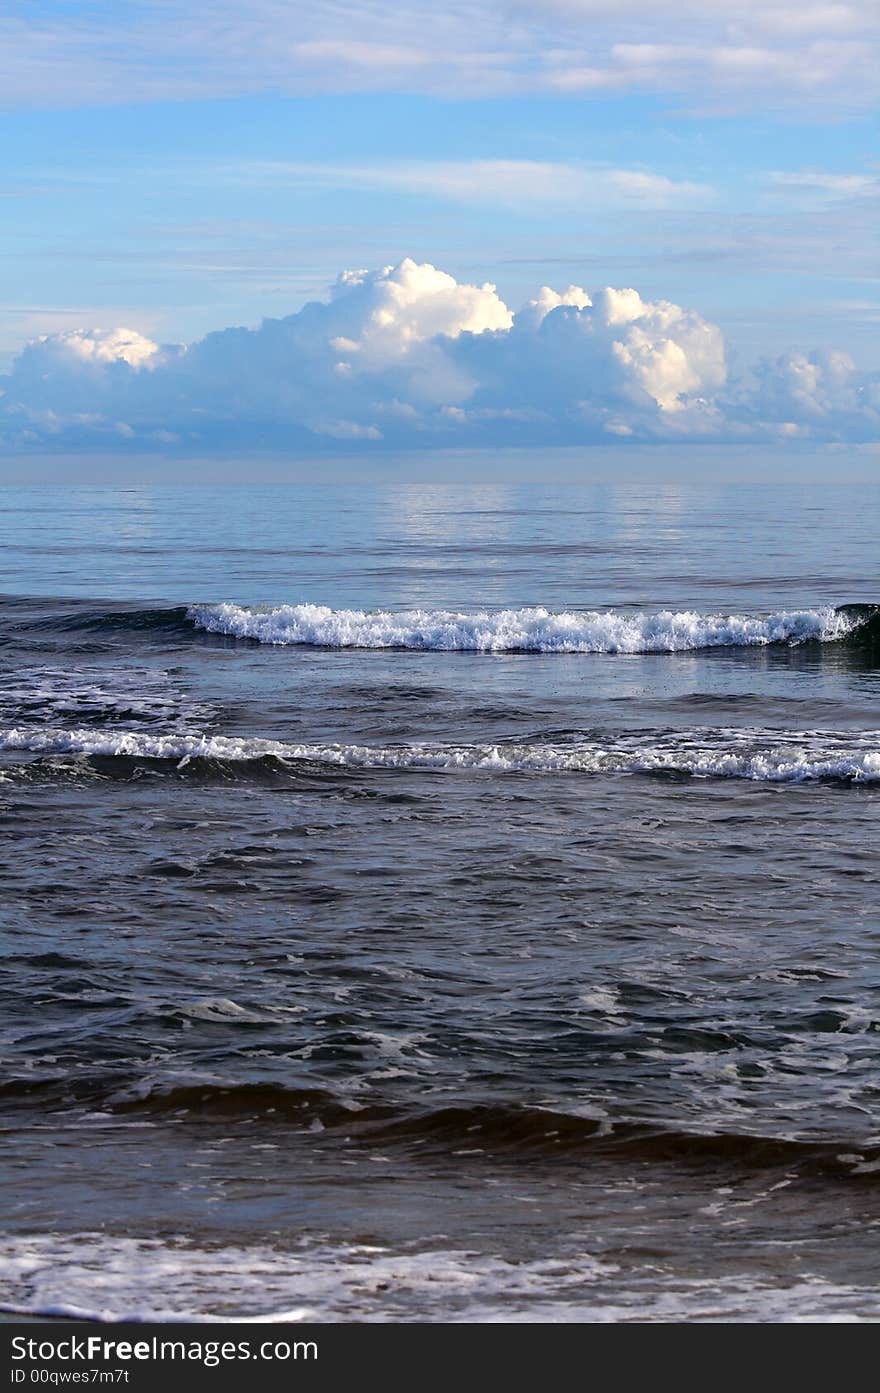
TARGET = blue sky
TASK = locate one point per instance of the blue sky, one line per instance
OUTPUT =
(179, 168)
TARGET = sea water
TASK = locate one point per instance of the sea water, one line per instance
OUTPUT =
(440, 903)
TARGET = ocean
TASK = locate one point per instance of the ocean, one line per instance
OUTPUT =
(440, 903)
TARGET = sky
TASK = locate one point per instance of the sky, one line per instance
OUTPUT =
(562, 222)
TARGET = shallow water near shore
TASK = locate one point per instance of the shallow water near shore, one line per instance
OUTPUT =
(440, 903)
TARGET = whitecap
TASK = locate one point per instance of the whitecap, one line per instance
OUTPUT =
(761, 756)
(536, 630)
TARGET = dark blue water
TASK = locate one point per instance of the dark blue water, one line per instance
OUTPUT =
(440, 903)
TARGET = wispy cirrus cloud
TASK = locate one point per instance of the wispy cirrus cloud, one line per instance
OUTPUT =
(520, 183)
(715, 53)
(827, 185)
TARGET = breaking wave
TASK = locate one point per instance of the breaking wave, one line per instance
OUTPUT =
(528, 630)
(536, 630)
(764, 756)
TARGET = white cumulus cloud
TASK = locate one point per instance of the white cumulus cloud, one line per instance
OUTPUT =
(547, 299)
(408, 355)
(820, 392)
(393, 310)
(71, 347)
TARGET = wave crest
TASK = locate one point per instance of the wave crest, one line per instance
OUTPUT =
(535, 630)
(763, 756)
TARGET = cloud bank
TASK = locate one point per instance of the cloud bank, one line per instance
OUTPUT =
(408, 356)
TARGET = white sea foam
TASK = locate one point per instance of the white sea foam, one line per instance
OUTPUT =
(105, 1278)
(535, 630)
(109, 1278)
(136, 695)
(763, 756)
